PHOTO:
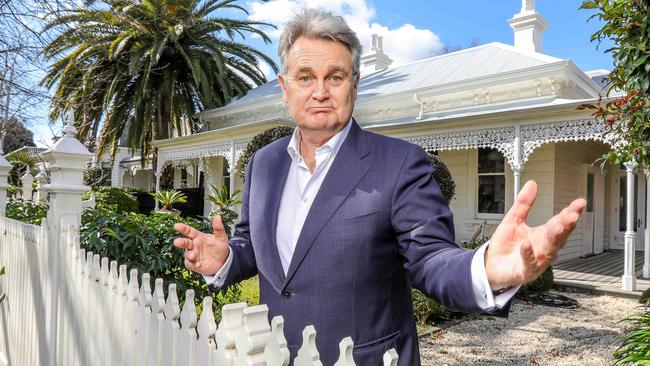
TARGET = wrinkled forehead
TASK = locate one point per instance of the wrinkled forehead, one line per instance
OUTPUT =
(305, 53)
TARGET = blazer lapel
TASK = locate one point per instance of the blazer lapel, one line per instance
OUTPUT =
(346, 171)
(275, 187)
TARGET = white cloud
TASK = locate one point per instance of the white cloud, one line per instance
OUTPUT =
(403, 44)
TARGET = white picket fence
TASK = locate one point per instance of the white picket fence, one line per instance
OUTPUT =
(68, 307)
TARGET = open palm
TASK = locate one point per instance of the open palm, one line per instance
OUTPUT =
(519, 253)
(204, 253)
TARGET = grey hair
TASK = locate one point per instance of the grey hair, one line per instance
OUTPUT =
(319, 24)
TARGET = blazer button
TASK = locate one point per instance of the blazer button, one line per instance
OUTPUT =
(285, 294)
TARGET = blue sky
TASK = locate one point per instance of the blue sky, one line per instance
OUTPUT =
(417, 29)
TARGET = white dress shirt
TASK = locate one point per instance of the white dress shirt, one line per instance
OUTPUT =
(299, 192)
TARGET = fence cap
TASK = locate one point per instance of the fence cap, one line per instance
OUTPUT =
(68, 144)
(27, 175)
(5, 165)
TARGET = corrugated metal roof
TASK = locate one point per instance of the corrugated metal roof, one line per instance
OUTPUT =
(485, 60)
(599, 77)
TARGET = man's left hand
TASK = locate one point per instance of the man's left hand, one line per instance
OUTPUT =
(518, 253)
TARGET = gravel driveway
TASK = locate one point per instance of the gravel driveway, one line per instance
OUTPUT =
(535, 335)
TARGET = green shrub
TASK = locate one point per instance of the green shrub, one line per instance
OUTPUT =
(225, 205)
(145, 242)
(167, 198)
(635, 349)
(425, 308)
(118, 199)
(259, 141)
(645, 296)
(20, 162)
(26, 211)
(543, 283)
(473, 244)
(443, 177)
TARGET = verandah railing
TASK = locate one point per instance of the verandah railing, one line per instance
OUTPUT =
(65, 306)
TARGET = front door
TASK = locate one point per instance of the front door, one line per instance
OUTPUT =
(594, 214)
(619, 201)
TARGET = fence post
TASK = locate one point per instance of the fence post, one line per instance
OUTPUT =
(5, 167)
(65, 161)
(27, 180)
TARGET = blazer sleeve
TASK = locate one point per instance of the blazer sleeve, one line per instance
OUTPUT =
(243, 256)
(424, 227)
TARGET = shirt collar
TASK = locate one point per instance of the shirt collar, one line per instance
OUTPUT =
(333, 144)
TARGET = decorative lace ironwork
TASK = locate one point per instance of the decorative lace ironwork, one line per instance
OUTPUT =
(503, 139)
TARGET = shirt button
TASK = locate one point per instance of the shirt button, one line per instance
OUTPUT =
(285, 294)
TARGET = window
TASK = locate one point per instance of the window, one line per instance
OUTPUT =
(184, 178)
(226, 175)
(491, 182)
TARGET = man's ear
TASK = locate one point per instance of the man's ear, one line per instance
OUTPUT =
(355, 87)
(283, 86)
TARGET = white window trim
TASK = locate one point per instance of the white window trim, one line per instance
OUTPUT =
(476, 174)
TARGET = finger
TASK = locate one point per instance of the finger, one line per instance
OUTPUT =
(529, 261)
(217, 226)
(183, 243)
(524, 201)
(191, 255)
(578, 205)
(192, 266)
(186, 230)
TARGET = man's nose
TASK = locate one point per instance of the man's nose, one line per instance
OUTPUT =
(320, 92)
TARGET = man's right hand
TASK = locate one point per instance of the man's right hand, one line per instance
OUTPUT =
(204, 253)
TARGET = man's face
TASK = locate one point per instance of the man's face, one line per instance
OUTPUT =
(319, 87)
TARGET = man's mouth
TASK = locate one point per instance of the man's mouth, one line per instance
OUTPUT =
(320, 109)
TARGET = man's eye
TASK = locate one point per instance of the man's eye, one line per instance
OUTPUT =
(304, 78)
(336, 77)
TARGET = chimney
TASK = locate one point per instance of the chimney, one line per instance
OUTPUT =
(529, 27)
(376, 59)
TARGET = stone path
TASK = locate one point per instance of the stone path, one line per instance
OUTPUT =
(535, 335)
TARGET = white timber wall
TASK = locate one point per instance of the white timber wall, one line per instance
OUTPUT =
(540, 168)
(457, 162)
(570, 183)
(462, 165)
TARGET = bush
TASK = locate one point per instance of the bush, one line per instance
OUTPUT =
(425, 308)
(145, 242)
(26, 211)
(443, 177)
(543, 283)
(645, 296)
(473, 244)
(118, 199)
(259, 141)
(635, 349)
(167, 198)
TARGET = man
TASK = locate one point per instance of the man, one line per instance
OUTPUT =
(339, 223)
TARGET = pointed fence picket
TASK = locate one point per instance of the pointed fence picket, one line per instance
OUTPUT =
(110, 316)
(68, 306)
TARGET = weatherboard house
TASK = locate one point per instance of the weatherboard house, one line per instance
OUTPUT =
(496, 114)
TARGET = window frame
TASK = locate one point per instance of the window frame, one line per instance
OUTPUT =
(477, 175)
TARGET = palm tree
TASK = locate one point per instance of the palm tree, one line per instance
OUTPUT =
(140, 69)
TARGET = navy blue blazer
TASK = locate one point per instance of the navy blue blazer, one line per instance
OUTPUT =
(378, 226)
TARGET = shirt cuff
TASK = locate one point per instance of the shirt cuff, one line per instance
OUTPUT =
(217, 280)
(482, 291)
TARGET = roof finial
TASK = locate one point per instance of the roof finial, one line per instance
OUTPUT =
(527, 6)
(69, 130)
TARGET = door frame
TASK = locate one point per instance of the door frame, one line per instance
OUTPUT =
(597, 243)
